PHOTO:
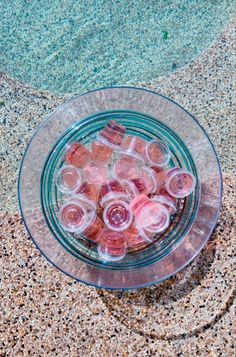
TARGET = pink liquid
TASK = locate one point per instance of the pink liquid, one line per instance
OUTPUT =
(101, 153)
(72, 216)
(96, 174)
(134, 146)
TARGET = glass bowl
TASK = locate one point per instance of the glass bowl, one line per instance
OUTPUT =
(150, 116)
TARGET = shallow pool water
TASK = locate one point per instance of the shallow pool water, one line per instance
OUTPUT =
(75, 46)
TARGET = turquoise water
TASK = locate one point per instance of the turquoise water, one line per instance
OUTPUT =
(75, 46)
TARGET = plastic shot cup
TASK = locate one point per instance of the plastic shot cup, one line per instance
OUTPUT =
(73, 216)
(125, 168)
(117, 216)
(111, 190)
(160, 177)
(77, 154)
(100, 152)
(135, 147)
(112, 134)
(95, 174)
(68, 179)
(179, 183)
(140, 185)
(112, 245)
(150, 215)
(158, 153)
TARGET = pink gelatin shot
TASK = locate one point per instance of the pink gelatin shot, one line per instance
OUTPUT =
(112, 134)
(163, 192)
(179, 183)
(96, 174)
(158, 153)
(125, 168)
(149, 178)
(89, 190)
(134, 146)
(112, 245)
(93, 229)
(117, 216)
(111, 190)
(100, 152)
(130, 189)
(68, 179)
(167, 202)
(73, 216)
(77, 154)
(145, 235)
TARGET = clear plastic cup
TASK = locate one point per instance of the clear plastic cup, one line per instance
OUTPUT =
(150, 215)
(96, 174)
(167, 202)
(112, 245)
(179, 183)
(149, 178)
(112, 134)
(111, 190)
(117, 216)
(100, 152)
(158, 153)
(68, 179)
(154, 218)
(77, 154)
(135, 147)
(125, 168)
(89, 190)
(145, 235)
(73, 216)
(163, 192)
(130, 189)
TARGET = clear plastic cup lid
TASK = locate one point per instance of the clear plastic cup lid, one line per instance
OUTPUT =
(112, 245)
(73, 216)
(68, 179)
(125, 168)
(158, 153)
(117, 215)
(180, 183)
